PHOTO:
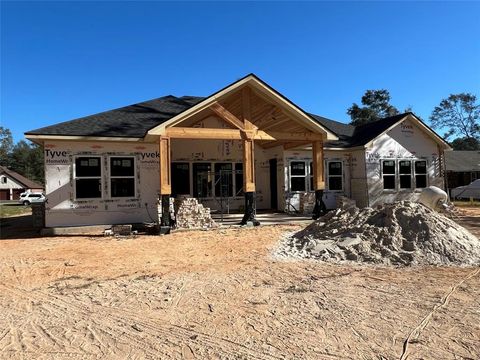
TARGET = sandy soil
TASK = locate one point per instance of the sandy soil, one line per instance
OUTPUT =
(219, 294)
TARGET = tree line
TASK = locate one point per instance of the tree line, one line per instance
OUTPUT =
(26, 158)
(459, 115)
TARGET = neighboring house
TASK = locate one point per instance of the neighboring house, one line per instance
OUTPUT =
(244, 147)
(12, 184)
(462, 167)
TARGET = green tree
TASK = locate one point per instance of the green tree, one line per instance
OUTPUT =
(27, 159)
(459, 114)
(6, 145)
(465, 144)
(376, 105)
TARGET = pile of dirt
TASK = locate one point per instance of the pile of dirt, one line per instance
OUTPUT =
(402, 233)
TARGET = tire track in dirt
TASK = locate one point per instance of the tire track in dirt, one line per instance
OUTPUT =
(176, 335)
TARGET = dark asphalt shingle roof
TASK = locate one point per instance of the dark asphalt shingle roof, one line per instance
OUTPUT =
(459, 160)
(129, 121)
(137, 119)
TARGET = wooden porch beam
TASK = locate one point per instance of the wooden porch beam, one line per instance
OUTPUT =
(233, 134)
(271, 144)
(165, 177)
(248, 144)
(226, 115)
(318, 171)
(203, 133)
(265, 115)
(274, 122)
(293, 145)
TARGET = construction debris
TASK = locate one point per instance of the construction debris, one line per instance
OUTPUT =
(402, 233)
(192, 215)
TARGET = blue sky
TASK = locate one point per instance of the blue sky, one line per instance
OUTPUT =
(63, 60)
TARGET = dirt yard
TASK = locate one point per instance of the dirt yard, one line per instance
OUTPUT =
(220, 295)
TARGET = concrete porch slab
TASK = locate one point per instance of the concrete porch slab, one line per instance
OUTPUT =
(264, 218)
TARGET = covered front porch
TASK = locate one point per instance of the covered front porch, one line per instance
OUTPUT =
(256, 120)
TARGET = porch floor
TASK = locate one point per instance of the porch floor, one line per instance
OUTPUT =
(265, 218)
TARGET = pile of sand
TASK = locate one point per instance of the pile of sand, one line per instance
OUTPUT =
(402, 233)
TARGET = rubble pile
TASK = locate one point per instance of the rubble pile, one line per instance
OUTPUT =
(401, 233)
(192, 215)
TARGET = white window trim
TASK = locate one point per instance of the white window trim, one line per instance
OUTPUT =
(404, 174)
(341, 176)
(87, 177)
(413, 187)
(415, 175)
(134, 177)
(306, 176)
(395, 176)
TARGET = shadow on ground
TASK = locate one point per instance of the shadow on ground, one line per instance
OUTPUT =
(18, 227)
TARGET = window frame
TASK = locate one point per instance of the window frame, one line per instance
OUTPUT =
(217, 178)
(395, 175)
(399, 174)
(110, 177)
(341, 176)
(238, 174)
(413, 180)
(306, 176)
(212, 186)
(415, 174)
(100, 157)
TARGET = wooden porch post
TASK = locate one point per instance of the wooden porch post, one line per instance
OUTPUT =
(248, 161)
(165, 183)
(318, 179)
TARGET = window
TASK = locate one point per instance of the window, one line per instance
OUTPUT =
(238, 179)
(420, 174)
(122, 177)
(180, 179)
(202, 180)
(4, 180)
(35, 196)
(88, 177)
(298, 173)
(223, 180)
(335, 175)
(405, 174)
(388, 171)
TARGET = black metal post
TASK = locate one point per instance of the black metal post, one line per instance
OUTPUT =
(319, 209)
(250, 209)
(165, 221)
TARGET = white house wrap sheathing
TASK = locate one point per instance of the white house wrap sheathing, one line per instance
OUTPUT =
(404, 141)
(62, 209)
(362, 178)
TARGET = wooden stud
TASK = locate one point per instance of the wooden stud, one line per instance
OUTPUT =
(293, 145)
(165, 177)
(234, 134)
(271, 144)
(203, 133)
(248, 166)
(274, 123)
(318, 171)
(248, 144)
(226, 115)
